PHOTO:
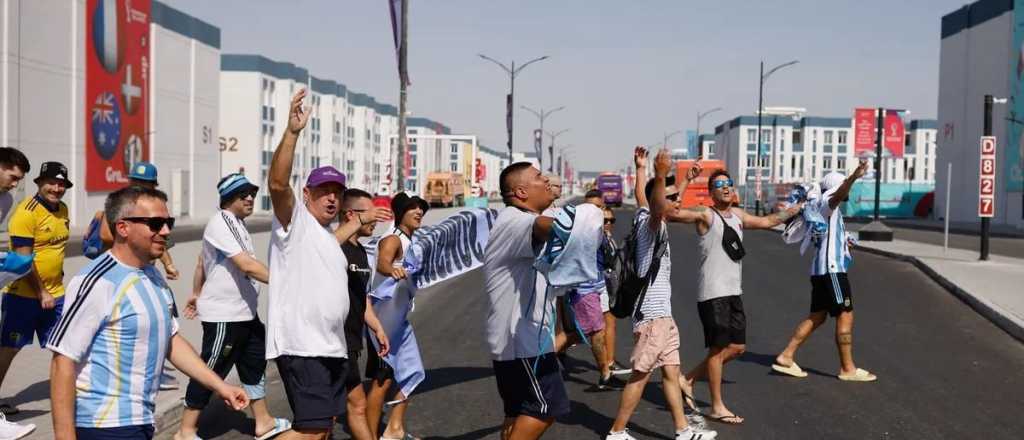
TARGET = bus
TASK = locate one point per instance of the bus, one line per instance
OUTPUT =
(610, 185)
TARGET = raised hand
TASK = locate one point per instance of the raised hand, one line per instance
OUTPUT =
(662, 164)
(375, 214)
(695, 169)
(861, 169)
(298, 115)
(640, 157)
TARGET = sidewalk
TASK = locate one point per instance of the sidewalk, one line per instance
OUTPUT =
(992, 288)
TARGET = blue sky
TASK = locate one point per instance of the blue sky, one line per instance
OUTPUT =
(627, 71)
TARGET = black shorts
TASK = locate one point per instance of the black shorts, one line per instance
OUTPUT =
(376, 368)
(536, 393)
(831, 293)
(241, 345)
(724, 321)
(352, 378)
(315, 387)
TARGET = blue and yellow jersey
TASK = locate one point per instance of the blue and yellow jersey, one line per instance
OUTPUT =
(35, 224)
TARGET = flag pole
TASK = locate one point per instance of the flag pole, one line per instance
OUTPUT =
(403, 79)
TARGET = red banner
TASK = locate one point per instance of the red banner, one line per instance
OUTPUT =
(116, 90)
(863, 131)
(893, 138)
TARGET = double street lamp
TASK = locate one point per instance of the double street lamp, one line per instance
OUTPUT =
(509, 99)
(760, 110)
(542, 115)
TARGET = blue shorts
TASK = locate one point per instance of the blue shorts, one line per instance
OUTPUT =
(136, 432)
(22, 317)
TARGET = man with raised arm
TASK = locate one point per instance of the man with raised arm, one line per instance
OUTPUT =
(308, 298)
(655, 336)
(719, 288)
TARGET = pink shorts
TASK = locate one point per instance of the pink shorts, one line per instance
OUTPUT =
(655, 344)
(587, 308)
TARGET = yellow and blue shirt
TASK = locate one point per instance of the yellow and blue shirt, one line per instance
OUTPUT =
(45, 228)
(117, 327)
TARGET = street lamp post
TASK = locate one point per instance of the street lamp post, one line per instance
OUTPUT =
(760, 109)
(664, 143)
(509, 100)
(700, 145)
(551, 148)
(552, 137)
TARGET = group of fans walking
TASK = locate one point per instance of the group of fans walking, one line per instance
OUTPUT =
(114, 326)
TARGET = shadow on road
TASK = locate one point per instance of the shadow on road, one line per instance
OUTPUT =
(32, 393)
(768, 359)
(583, 415)
(443, 377)
(480, 433)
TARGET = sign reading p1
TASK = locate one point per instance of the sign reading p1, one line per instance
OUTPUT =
(987, 177)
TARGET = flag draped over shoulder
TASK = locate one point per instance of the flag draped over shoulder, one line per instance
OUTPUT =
(437, 253)
(13, 266)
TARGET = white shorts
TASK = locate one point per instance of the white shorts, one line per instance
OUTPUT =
(605, 307)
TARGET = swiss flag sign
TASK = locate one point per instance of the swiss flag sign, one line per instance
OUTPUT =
(987, 177)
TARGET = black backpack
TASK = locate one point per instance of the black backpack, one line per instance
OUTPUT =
(626, 288)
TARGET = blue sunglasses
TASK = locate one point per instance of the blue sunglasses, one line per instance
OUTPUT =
(718, 184)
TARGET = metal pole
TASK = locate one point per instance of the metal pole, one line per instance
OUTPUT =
(985, 221)
(402, 95)
(949, 184)
(700, 145)
(510, 104)
(757, 160)
(878, 158)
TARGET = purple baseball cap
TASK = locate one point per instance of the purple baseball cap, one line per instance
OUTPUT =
(325, 174)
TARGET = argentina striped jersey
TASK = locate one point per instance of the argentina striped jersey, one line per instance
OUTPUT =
(116, 327)
(833, 255)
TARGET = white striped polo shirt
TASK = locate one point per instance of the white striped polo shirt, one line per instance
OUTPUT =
(657, 302)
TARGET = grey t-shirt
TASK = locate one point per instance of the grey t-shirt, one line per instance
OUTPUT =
(520, 318)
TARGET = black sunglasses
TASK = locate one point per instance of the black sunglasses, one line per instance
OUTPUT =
(609, 221)
(673, 197)
(155, 224)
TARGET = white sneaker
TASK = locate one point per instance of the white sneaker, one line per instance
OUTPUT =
(694, 433)
(13, 431)
(621, 435)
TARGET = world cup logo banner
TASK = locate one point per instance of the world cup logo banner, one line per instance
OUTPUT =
(116, 90)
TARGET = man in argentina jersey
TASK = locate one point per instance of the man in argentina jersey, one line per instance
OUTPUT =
(830, 288)
(110, 344)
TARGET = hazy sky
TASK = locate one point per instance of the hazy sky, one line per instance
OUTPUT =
(627, 71)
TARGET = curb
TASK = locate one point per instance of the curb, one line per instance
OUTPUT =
(983, 307)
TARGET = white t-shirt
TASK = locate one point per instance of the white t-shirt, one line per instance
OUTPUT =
(658, 299)
(521, 314)
(6, 203)
(308, 294)
(228, 295)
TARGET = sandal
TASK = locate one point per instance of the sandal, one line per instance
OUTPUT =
(280, 425)
(728, 419)
(791, 370)
(860, 375)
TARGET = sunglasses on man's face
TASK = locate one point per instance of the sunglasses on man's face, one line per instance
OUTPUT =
(248, 194)
(155, 224)
(609, 221)
(719, 184)
(673, 197)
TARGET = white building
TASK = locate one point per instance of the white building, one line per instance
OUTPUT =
(42, 92)
(981, 53)
(805, 148)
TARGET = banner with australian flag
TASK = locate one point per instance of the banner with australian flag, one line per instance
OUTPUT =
(116, 90)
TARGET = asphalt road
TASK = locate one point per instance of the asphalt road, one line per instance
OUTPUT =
(944, 371)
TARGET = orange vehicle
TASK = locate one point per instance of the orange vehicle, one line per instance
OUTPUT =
(697, 192)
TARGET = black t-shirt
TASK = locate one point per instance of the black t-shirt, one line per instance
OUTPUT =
(358, 281)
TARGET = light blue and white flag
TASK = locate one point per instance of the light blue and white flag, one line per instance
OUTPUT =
(437, 253)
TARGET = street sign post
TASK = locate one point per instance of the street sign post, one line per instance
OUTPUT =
(987, 177)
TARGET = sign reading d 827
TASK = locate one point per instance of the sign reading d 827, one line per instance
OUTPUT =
(987, 177)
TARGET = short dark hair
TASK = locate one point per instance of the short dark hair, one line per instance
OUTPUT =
(352, 194)
(13, 157)
(120, 201)
(649, 188)
(714, 175)
(504, 180)
(593, 194)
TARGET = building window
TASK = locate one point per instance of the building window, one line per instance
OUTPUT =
(828, 136)
(455, 148)
(826, 164)
(750, 161)
(454, 167)
(842, 136)
(841, 164)
(751, 135)
(826, 148)
(841, 149)
(796, 137)
(800, 169)
(751, 147)
(265, 203)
